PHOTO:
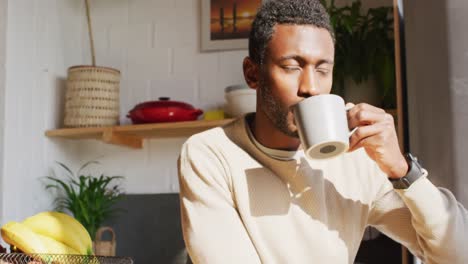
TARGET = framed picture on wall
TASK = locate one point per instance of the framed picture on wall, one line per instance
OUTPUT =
(225, 24)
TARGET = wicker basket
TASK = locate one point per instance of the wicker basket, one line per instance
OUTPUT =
(104, 248)
(92, 97)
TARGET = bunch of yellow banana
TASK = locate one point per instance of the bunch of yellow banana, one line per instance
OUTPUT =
(48, 233)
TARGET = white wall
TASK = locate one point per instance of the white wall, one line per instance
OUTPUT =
(40, 39)
(155, 43)
(3, 25)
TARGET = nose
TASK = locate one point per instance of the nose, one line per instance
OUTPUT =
(308, 85)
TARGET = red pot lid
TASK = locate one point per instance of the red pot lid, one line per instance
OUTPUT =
(164, 102)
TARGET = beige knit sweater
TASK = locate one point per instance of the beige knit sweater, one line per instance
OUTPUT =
(239, 205)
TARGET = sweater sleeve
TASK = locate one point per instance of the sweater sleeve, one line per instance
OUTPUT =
(212, 229)
(428, 220)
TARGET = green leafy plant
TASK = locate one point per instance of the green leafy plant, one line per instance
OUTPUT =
(364, 47)
(90, 199)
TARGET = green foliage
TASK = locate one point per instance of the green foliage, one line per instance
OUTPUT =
(90, 199)
(364, 47)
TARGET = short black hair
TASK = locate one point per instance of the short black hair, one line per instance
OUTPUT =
(294, 12)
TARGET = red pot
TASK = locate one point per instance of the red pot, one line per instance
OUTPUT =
(163, 110)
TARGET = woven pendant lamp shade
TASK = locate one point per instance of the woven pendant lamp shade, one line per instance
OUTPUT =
(92, 95)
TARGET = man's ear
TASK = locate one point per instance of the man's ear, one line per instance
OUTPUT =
(251, 73)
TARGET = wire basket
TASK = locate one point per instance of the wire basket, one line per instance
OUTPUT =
(20, 258)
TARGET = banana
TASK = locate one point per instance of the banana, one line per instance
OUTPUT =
(63, 228)
(22, 237)
(55, 247)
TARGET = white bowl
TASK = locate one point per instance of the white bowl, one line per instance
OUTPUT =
(235, 87)
(240, 102)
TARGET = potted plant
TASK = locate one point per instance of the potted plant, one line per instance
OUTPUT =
(91, 199)
(364, 49)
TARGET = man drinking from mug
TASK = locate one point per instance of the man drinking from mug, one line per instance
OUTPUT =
(250, 195)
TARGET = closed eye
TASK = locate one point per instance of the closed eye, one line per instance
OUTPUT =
(323, 71)
(291, 67)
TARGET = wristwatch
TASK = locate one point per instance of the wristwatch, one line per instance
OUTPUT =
(415, 171)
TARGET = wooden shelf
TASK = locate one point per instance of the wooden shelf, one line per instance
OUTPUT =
(133, 135)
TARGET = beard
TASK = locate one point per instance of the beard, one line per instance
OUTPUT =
(275, 112)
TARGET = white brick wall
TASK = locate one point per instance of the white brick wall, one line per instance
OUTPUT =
(40, 42)
(156, 46)
(3, 25)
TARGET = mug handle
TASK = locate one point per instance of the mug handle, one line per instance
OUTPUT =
(354, 129)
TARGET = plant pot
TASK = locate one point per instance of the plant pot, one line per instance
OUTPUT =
(102, 247)
(92, 97)
(365, 92)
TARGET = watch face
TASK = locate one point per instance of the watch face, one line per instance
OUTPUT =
(405, 182)
(400, 184)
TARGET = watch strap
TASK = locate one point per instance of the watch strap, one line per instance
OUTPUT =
(415, 171)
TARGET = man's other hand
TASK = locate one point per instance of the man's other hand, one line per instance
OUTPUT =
(375, 132)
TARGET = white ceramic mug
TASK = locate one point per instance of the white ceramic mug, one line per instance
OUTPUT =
(322, 126)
